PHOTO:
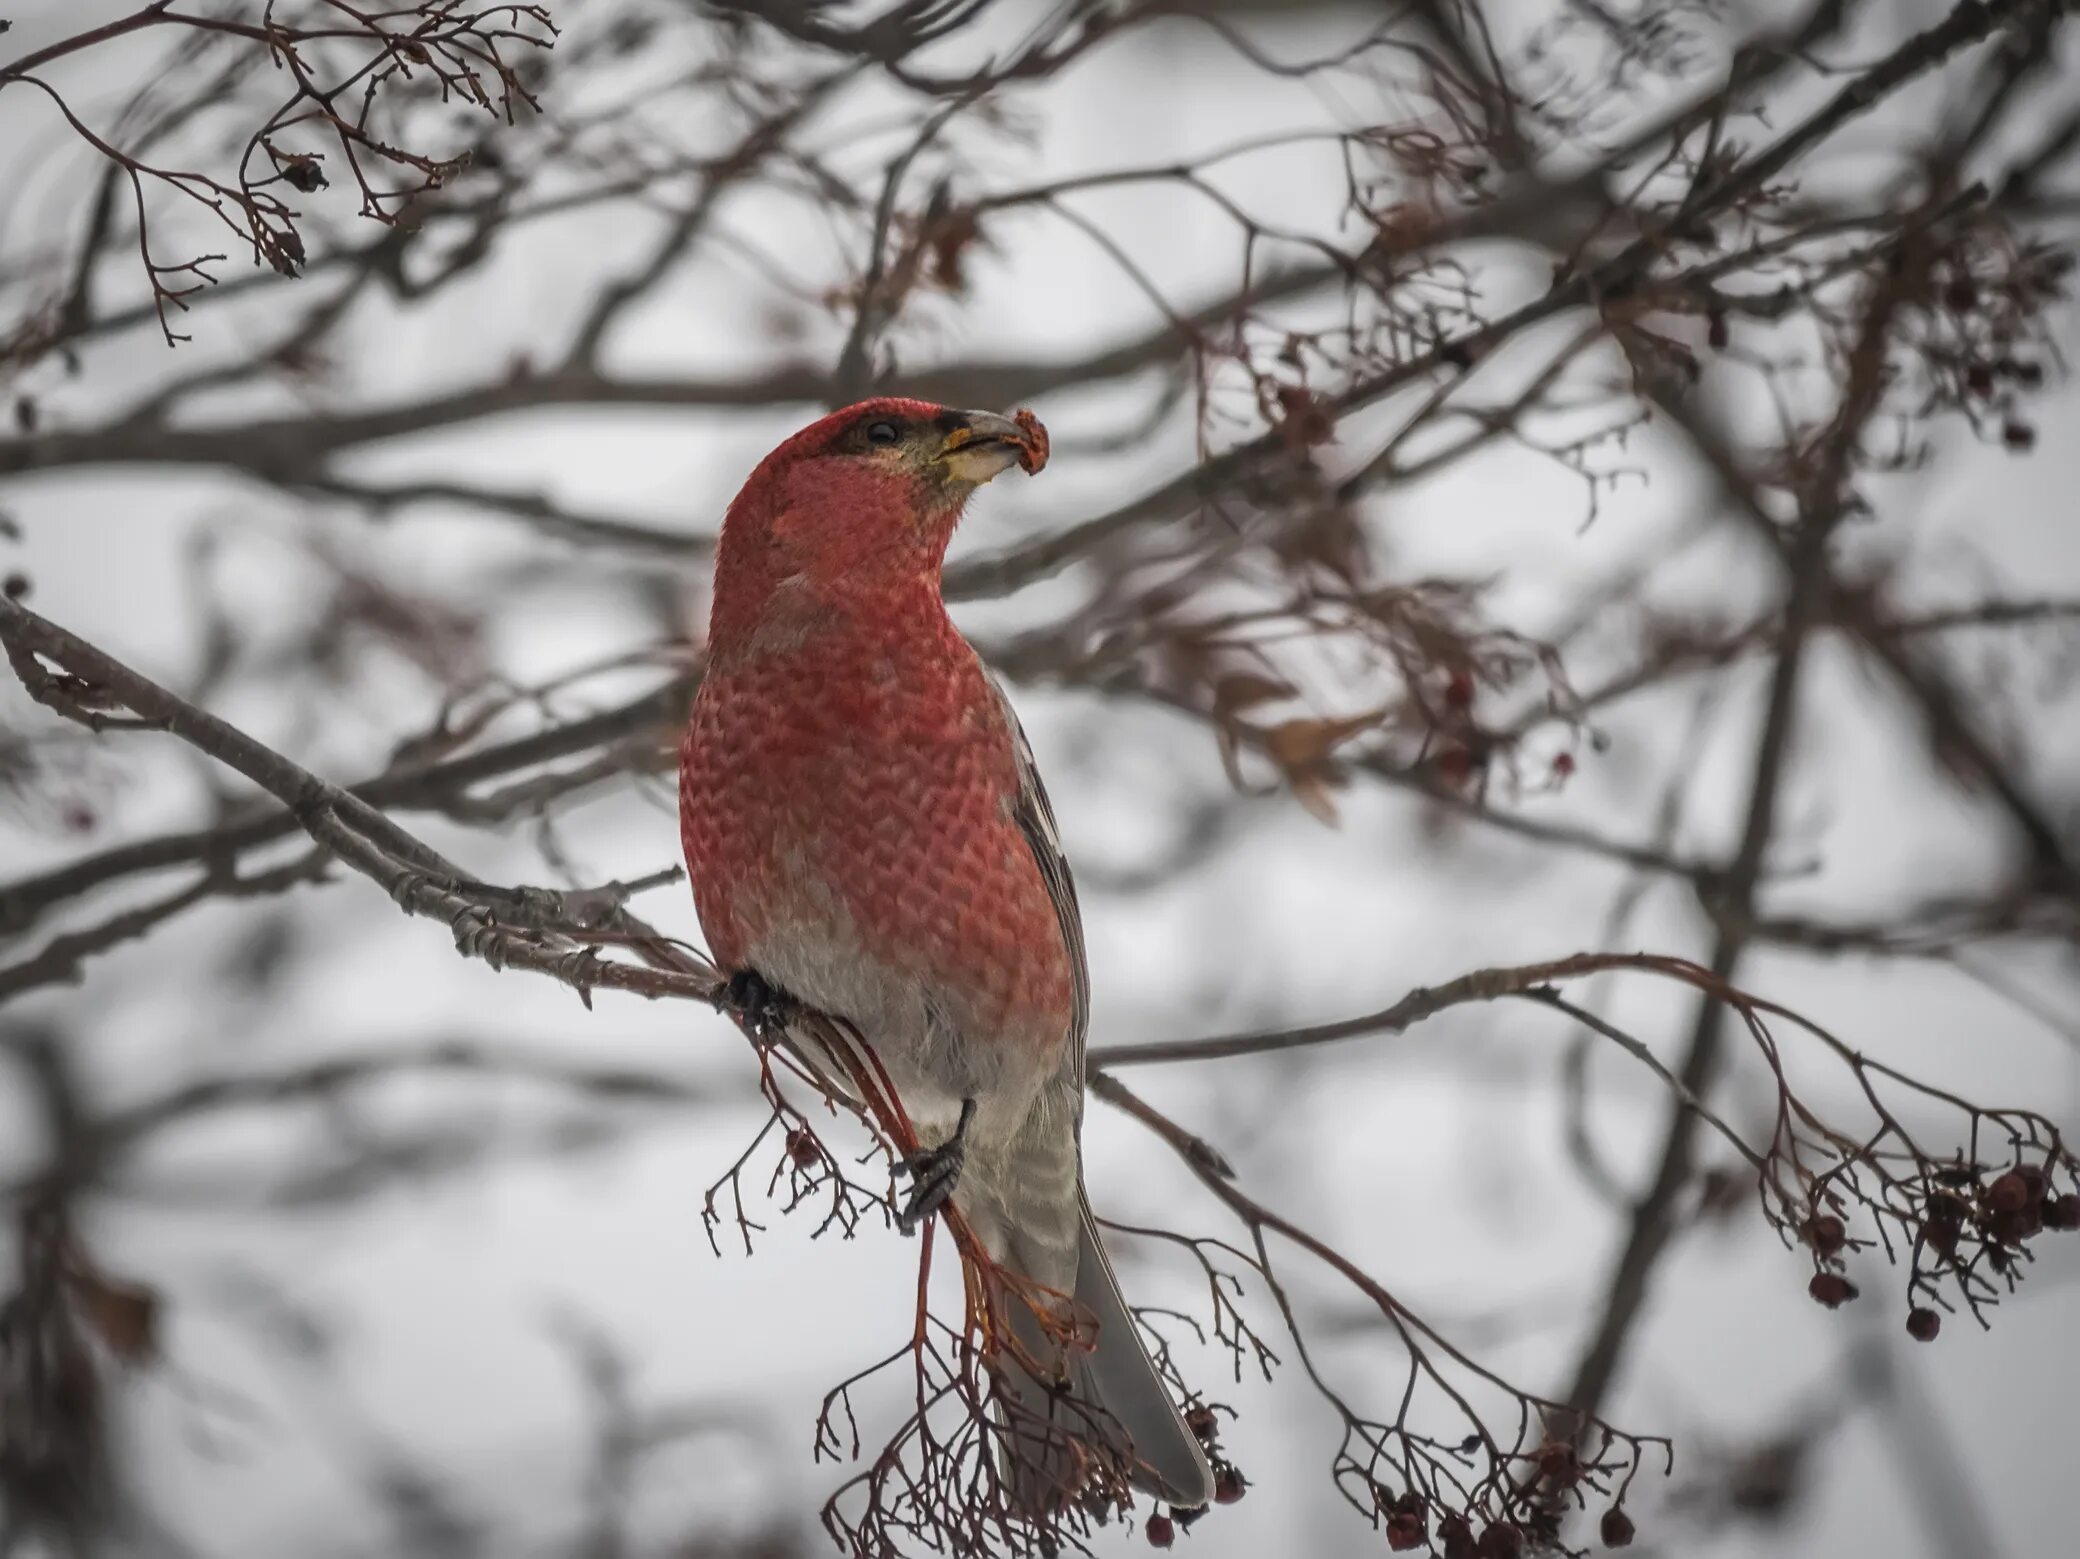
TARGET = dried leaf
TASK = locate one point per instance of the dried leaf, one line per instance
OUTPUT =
(1313, 792)
(1298, 746)
(125, 1316)
(1240, 690)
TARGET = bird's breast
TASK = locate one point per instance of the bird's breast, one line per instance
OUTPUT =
(846, 810)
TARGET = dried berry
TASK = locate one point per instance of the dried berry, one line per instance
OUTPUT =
(802, 1148)
(1558, 1464)
(1923, 1324)
(1961, 295)
(1716, 333)
(1978, 380)
(1941, 1232)
(1032, 455)
(2064, 1213)
(1228, 1484)
(2010, 1193)
(2019, 435)
(1405, 1531)
(2012, 1228)
(1203, 1422)
(1455, 1537)
(1617, 1530)
(1302, 418)
(1162, 1531)
(1826, 1233)
(303, 173)
(1831, 1289)
(15, 586)
(1502, 1540)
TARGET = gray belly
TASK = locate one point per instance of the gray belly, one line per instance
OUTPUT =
(929, 1047)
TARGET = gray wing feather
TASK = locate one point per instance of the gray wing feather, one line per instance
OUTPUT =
(1034, 815)
(1118, 1376)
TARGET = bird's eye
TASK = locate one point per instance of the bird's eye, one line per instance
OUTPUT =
(882, 433)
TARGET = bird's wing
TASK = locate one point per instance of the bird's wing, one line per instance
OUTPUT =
(1035, 818)
(1117, 1376)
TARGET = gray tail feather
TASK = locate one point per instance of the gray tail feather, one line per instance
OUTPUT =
(1116, 1397)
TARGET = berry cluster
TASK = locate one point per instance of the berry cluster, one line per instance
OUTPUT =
(1973, 1225)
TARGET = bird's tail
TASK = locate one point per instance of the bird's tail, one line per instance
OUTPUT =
(1114, 1395)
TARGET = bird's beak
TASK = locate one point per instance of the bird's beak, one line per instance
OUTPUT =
(983, 445)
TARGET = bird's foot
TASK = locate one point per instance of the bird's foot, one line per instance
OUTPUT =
(764, 1010)
(934, 1172)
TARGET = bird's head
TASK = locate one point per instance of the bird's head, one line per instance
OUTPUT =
(863, 501)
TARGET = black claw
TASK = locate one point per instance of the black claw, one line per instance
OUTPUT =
(934, 1174)
(764, 1009)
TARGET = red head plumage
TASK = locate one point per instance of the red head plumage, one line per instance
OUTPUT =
(856, 504)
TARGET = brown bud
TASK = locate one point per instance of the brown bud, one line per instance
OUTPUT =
(1923, 1324)
(1617, 1529)
(1831, 1289)
(1826, 1233)
(1162, 1531)
(1228, 1484)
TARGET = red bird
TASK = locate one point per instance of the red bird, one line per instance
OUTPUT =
(866, 834)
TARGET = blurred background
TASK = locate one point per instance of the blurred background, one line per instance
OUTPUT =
(1528, 479)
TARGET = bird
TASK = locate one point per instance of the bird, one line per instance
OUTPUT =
(866, 835)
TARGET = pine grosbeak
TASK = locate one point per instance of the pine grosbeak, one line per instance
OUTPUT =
(866, 835)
